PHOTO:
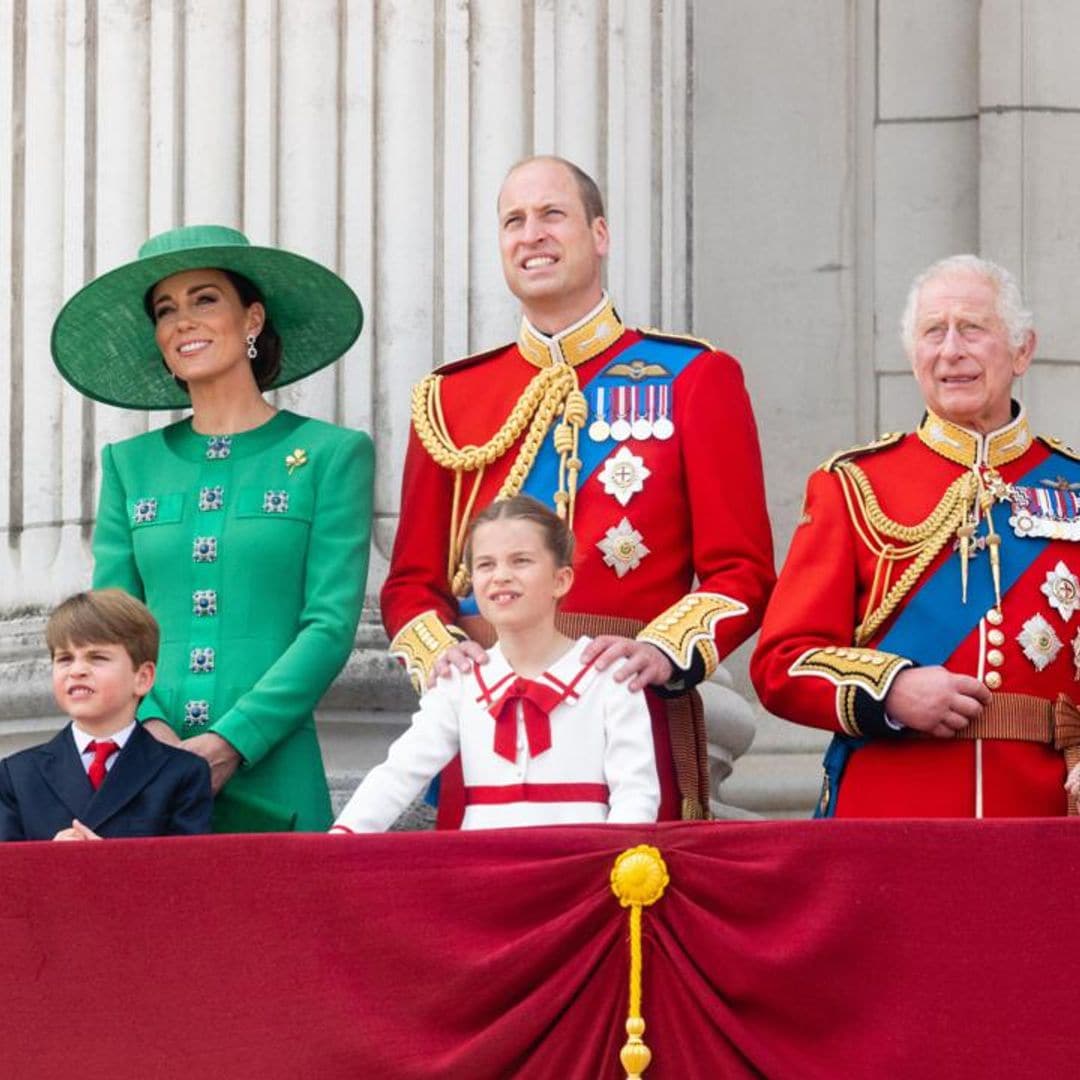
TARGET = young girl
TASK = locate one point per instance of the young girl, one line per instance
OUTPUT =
(544, 739)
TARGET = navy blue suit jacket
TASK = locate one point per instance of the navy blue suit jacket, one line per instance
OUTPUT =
(151, 790)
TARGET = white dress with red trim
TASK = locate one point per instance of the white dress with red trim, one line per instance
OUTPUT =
(572, 746)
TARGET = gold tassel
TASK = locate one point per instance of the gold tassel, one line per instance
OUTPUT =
(638, 878)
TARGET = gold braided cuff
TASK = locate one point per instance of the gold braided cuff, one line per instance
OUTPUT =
(846, 704)
(420, 642)
(846, 666)
(687, 627)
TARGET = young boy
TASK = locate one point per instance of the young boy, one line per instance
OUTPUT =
(102, 776)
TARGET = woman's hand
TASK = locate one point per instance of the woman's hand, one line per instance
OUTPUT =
(222, 756)
(162, 732)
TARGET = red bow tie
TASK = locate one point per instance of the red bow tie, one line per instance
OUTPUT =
(537, 701)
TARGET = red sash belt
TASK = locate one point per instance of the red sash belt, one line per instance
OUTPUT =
(498, 794)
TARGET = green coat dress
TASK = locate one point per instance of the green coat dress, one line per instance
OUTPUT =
(252, 552)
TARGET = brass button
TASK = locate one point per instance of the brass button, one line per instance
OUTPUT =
(996, 637)
(993, 679)
(994, 617)
(995, 658)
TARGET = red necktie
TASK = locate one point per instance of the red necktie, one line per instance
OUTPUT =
(537, 701)
(102, 752)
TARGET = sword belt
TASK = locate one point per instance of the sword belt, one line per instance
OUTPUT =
(1026, 718)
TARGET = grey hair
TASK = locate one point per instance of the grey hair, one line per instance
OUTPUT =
(1017, 318)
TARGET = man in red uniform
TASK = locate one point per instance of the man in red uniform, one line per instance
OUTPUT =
(927, 611)
(645, 443)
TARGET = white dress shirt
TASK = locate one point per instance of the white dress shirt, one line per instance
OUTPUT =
(83, 740)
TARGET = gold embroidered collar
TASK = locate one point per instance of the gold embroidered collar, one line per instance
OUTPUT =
(587, 338)
(969, 447)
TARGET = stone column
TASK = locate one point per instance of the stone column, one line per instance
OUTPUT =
(1029, 213)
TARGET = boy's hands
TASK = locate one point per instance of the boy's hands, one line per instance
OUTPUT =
(78, 831)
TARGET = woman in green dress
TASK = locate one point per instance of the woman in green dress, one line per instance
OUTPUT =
(244, 528)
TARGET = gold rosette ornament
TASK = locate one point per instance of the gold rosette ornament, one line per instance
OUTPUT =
(638, 878)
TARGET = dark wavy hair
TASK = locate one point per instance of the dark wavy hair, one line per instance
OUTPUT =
(267, 364)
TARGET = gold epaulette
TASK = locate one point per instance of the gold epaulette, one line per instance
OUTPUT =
(468, 361)
(687, 626)
(420, 642)
(1055, 444)
(683, 339)
(890, 438)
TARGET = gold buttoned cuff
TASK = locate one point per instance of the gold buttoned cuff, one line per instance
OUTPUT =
(688, 626)
(420, 642)
(851, 669)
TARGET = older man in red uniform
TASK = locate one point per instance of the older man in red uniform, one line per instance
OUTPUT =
(645, 443)
(927, 611)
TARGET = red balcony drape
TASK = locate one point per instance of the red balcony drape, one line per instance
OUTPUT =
(784, 950)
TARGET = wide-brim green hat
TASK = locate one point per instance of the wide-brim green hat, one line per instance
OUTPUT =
(103, 340)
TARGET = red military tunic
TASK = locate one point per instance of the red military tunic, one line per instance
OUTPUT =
(674, 535)
(813, 666)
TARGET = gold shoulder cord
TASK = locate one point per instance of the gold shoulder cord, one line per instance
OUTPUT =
(893, 542)
(552, 392)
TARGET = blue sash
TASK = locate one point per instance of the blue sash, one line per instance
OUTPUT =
(931, 625)
(543, 479)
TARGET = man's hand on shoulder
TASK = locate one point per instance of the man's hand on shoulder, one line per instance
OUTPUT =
(461, 656)
(643, 664)
(935, 701)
